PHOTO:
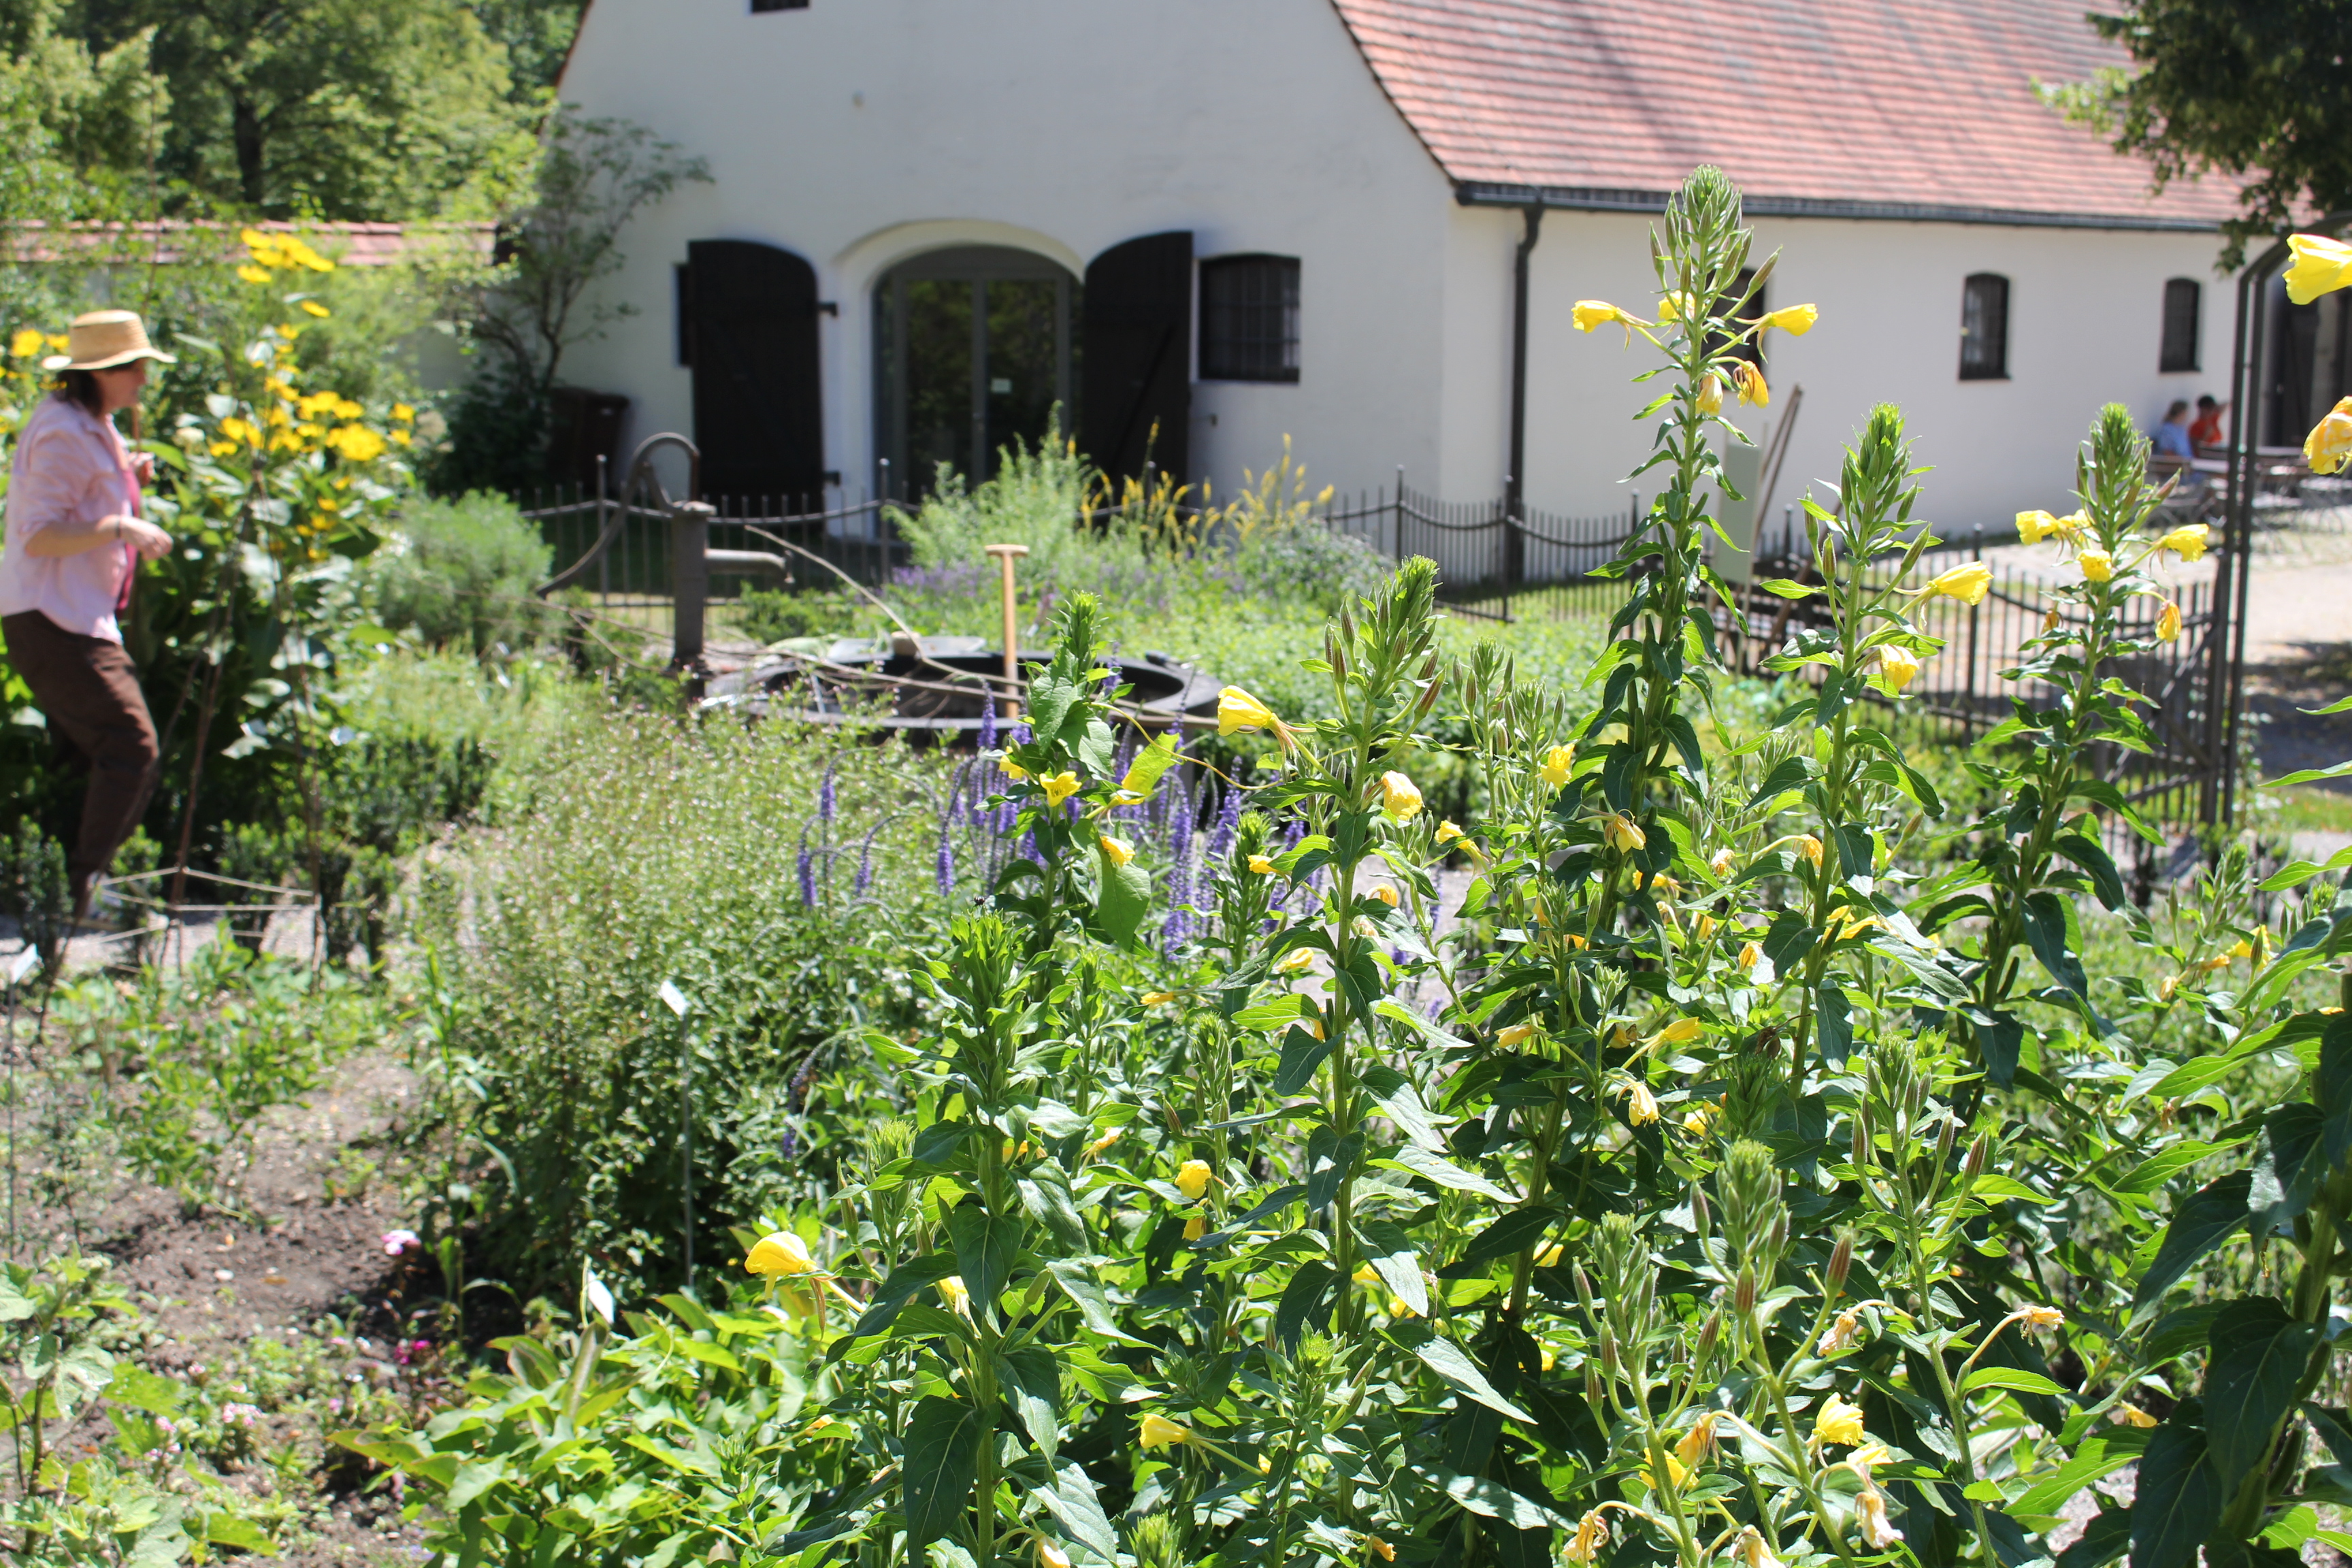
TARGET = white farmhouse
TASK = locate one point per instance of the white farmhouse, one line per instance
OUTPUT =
(1236, 220)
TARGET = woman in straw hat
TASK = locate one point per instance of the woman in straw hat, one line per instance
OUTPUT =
(74, 538)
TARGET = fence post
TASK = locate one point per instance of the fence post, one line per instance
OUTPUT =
(690, 578)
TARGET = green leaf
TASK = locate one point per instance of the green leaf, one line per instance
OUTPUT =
(2260, 1354)
(2049, 929)
(1087, 1297)
(943, 1462)
(2163, 1165)
(1390, 1252)
(1031, 1384)
(1512, 1234)
(2087, 854)
(2099, 1456)
(2102, 1540)
(142, 1390)
(1301, 1298)
(236, 1530)
(1447, 1359)
(2100, 791)
(2200, 1223)
(986, 1246)
(898, 1289)
(1396, 1094)
(1125, 900)
(2288, 1164)
(1143, 773)
(1302, 1052)
(2178, 1500)
(1782, 587)
(1073, 1500)
(2313, 775)
(2014, 1378)
(1447, 1174)
(472, 1481)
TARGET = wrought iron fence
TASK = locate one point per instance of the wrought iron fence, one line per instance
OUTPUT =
(1485, 554)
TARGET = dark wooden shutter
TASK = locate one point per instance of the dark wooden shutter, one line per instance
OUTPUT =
(1135, 350)
(758, 410)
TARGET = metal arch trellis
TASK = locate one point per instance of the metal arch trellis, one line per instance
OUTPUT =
(2227, 655)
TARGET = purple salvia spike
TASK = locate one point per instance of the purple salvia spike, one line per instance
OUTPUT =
(806, 866)
(1229, 821)
(988, 722)
(825, 798)
(944, 872)
(866, 862)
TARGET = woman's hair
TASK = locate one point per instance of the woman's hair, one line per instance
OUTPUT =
(81, 387)
(2175, 412)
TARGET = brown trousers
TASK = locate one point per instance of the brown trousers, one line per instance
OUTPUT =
(89, 690)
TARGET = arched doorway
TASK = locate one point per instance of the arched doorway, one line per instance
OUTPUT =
(976, 347)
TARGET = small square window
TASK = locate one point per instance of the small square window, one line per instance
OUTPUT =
(1249, 317)
(2180, 307)
(1984, 328)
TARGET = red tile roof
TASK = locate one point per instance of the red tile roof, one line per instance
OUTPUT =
(1864, 108)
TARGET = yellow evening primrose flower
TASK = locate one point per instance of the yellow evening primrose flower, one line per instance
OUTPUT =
(346, 409)
(1291, 962)
(312, 307)
(400, 437)
(1399, 1309)
(1808, 847)
(2033, 527)
(1642, 1109)
(1193, 1179)
(1870, 1514)
(783, 1253)
(1794, 320)
(2168, 623)
(1117, 851)
(2074, 524)
(1159, 1432)
(1549, 1257)
(1050, 1555)
(1697, 1120)
(253, 274)
(1012, 769)
(1386, 894)
(1059, 788)
(2187, 540)
(1839, 1422)
(357, 442)
(2329, 446)
(1750, 382)
(1676, 1474)
(1710, 394)
(1591, 1539)
(1380, 1549)
(2040, 1318)
(2321, 265)
(1843, 1335)
(1751, 955)
(1237, 709)
(1557, 764)
(1967, 584)
(28, 341)
(2098, 566)
(1517, 1035)
(1681, 1032)
(1261, 865)
(1399, 797)
(1678, 306)
(1196, 1228)
(1753, 1551)
(1154, 998)
(1620, 833)
(1900, 665)
(221, 448)
(956, 1294)
(2131, 1415)
(404, 413)
(1697, 1445)
(1589, 314)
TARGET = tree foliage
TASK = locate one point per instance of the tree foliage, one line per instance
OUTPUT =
(2231, 88)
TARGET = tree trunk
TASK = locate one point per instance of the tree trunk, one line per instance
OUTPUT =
(245, 128)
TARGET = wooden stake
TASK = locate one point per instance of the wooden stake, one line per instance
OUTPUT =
(1005, 556)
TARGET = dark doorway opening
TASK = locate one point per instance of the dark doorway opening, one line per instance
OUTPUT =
(749, 333)
(976, 350)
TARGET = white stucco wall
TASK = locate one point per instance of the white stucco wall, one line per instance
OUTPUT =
(859, 133)
(2086, 323)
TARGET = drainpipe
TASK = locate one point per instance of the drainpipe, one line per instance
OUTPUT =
(1515, 482)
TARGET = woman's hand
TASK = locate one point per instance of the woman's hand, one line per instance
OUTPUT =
(142, 468)
(150, 542)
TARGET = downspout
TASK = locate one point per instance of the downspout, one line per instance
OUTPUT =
(1515, 482)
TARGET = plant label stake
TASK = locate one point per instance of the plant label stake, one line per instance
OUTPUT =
(1006, 554)
(675, 1000)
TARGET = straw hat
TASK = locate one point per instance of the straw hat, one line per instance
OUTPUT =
(101, 340)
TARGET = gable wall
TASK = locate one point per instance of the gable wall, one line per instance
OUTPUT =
(1060, 126)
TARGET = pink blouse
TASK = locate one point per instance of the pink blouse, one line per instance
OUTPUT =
(71, 466)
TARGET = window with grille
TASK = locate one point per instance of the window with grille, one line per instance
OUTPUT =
(1249, 317)
(760, 5)
(2180, 306)
(1984, 328)
(1729, 306)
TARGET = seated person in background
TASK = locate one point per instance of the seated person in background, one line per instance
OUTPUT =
(2171, 438)
(2207, 430)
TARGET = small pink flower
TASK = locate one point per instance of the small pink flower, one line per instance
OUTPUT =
(396, 1242)
(239, 1414)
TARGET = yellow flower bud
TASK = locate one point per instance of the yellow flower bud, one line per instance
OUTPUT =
(1967, 583)
(1591, 313)
(1399, 799)
(1711, 394)
(1839, 1422)
(781, 1253)
(1751, 382)
(1261, 865)
(1794, 320)
(956, 1294)
(1159, 1432)
(1193, 1179)
(1517, 1035)
(1196, 1228)
(1237, 709)
(1154, 998)
(2168, 623)
(2098, 566)
(1117, 851)
(1385, 893)
(1808, 847)
(1900, 665)
(1751, 955)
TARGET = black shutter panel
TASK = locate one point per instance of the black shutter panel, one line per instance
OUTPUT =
(1135, 356)
(758, 410)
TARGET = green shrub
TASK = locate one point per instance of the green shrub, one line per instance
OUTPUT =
(770, 615)
(461, 574)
